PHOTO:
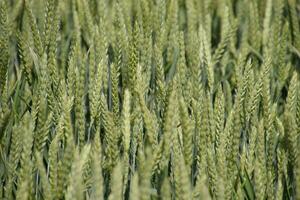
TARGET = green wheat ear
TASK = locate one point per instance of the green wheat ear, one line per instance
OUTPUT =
(25, 182)
(133, 57)
(38, 45)
(187, 132)
(181, 178)
(97, 187)
(4, 44)
(134, 188)
(116, 183)
(294, 24)
(75, 187)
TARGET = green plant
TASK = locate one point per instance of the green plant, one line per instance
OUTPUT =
(149, 99)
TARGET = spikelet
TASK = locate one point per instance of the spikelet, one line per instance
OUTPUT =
(158, 158)
(42, 135)
(297, 173)
(169, 124)
(71, 72)
(227, 33)
(234, 128)
(97, 186)
(51, 44)
(182, 186)
(212, 173)
(219, 123)
(182, 68)
(67, 120)
(136, 138)
(260, 173)
(111, 137)
(283, 68)
(126, 136)
(266, 26)
(207, 60)
(281, 171)
(254, 28)
(4, 33)
(79, 104)
(242, 57)
(191, 15)
(234, 131)
(193, 59)
(201, 191)
(25, 57)
(92, 64)
(53, 161)
(166, 190)
(187, 132)
(116, 185)
(294, 22)
(89, 22)
(75, 187)
(250, 162)
(121, 44)
(43, 177)
(133, 57)
(160, 89)
(95, 95)
(296, 145)
(277, 24)
(253, 105)
(245, 85)
(292, 137)
(5, 114)
(270, 146)
(115, 90)
(291, 101)
(16, 148)
(65, 166)
(16, 12)
(266, 94)
(134, 188)
(144, 164)
(228, 97)
(34, 30)
(25, 178)
(149, 121)
(207, 134)
(230, 159)
(126, 121)
(49, 23)
(77, 27)
(172, 30)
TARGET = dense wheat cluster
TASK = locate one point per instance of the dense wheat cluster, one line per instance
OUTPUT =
(149, 99)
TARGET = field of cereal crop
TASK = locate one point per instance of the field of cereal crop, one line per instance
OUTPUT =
(149, 99)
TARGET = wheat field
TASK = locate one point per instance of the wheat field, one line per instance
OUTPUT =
(149, 99)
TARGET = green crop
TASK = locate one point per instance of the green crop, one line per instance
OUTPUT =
(149, 99)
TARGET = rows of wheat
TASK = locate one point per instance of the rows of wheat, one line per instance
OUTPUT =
(149, 99)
